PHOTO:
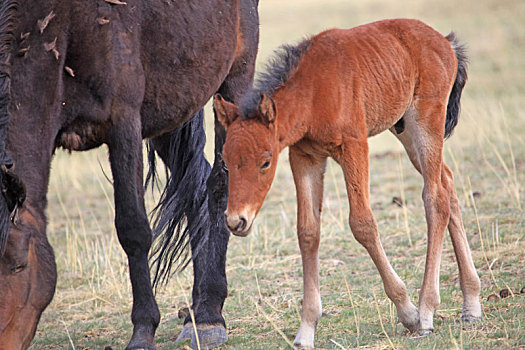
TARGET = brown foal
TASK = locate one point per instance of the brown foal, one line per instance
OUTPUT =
(324, 98)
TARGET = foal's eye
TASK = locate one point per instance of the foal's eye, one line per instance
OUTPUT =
(265, 165)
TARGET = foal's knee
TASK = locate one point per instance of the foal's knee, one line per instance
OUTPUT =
(308, 238)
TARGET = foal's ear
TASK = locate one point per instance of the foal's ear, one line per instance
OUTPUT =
(225, 111)
(267, 109)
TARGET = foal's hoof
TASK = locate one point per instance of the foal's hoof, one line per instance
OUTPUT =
(412, 326)
(471, 312)
(409, 317)
(425, 332)
(467, 318)
(210, 336)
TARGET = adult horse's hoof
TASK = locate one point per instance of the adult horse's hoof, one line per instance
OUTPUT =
(142, 339)
(425, 332)
(141, 347)
(210, 336)
(185, 334)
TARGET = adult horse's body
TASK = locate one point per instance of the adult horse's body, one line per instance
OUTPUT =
(78, 74)
(324, 98)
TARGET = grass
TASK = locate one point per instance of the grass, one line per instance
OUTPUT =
(92, 304)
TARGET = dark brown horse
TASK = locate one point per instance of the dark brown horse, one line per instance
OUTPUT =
(79, 74)
(324, 98)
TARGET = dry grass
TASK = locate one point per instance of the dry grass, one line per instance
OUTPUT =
(487, 154)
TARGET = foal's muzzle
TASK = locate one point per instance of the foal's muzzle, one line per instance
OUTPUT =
(240, 225)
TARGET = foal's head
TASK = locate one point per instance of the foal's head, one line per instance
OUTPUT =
(250, 152)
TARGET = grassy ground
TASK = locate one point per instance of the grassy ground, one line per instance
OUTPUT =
(92, 304)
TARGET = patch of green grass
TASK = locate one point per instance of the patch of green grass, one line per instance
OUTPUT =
(92, 304)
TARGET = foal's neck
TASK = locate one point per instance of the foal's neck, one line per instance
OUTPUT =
(293, 117)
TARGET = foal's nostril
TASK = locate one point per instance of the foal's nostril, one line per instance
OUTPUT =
(241, 225)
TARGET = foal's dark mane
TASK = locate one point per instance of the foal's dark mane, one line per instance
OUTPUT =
(7, 14)
(278, 70)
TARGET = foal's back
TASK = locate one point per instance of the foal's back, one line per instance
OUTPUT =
(365, 78)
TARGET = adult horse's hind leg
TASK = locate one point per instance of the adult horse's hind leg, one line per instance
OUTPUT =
(211, 264)
(210, 284)
(354, 161)
(308, 173)
(187, 201)
(125, 154)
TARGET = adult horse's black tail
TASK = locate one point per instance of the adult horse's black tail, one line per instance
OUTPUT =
(7, 12)
(181, 216)
(453, 106)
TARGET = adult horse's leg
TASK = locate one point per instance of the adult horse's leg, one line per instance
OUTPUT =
(209, 267)
(354, 161)
(209, 248)
(211, 263)
(125, 154)
(186, 197)
(468, 277)
(308, 174)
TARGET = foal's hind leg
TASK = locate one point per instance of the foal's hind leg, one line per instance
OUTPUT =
(354, 161)
(308, 173)
(424, 149)
(425, 127)
(468, 277)
(125, 154)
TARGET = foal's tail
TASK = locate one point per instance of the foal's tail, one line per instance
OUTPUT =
(181, 216)
(453, 106)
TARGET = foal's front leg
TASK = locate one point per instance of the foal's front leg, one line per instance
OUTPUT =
(134, 233)
(354, 161)
(308, 173)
